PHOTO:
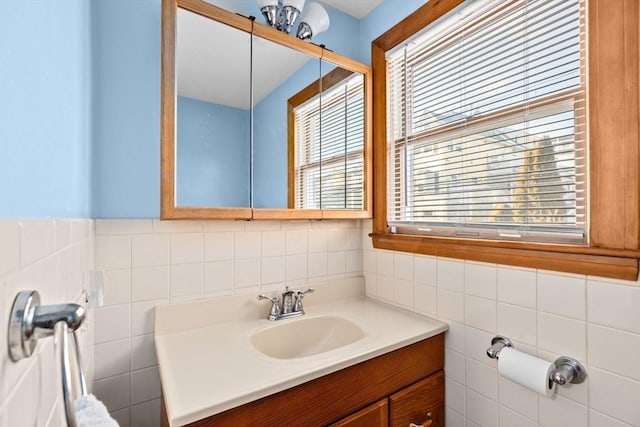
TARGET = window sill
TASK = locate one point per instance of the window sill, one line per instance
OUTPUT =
(617, 264)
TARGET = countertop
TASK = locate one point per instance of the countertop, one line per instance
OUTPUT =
(208, 364)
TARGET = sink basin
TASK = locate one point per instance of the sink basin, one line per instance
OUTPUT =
(306, 337)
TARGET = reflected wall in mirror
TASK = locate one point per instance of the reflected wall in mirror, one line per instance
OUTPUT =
(213, 111)
(327, 142)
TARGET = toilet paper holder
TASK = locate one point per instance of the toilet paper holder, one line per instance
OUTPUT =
(567, 369)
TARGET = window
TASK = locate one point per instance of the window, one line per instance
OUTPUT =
(516, 101)
(329, 133)
(500, 86)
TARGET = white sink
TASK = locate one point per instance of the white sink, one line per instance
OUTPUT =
(306, 336)
(227, 341)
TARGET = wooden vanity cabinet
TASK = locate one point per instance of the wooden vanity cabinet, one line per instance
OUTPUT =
(395, 389)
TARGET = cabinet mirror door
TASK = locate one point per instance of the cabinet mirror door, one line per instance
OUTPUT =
(327, 142)
(213, 113)
(212, 117)
(342, 138)
(280, 73)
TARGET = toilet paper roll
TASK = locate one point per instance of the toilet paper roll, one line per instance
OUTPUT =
(527, 370)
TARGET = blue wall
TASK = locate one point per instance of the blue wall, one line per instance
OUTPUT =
(126, 160)
(80, 111)
(383, 17)
(212, 154)
(45, 109)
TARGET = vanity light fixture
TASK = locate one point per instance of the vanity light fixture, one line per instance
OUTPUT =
(282, 15)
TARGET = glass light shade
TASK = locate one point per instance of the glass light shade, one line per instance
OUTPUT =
(317, 18)
(265, 3)
(298, 4)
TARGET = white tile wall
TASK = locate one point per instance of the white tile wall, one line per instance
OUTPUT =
(547, 314)
(53, 257)
(151, 262)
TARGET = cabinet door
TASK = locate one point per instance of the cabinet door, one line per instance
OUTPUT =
(421, 403)
(375, 415)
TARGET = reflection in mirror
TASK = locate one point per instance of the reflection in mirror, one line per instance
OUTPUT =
(342, 138)
(279, 72)
(213, 113)
(327, 123)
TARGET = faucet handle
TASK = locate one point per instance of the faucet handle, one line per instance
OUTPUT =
(275, 306)
(272, 299)
(297, 306)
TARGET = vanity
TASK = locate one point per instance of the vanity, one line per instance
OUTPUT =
(348, 361)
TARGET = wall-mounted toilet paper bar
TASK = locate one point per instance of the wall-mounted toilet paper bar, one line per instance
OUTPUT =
(567, 369)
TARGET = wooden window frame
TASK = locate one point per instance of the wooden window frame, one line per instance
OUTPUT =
(614, 154)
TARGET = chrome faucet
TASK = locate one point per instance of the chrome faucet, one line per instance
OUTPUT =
(291, 304)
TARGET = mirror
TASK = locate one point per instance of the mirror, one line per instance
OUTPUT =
(257, 123)
(213, 113)
(279, 73)
(342, 138)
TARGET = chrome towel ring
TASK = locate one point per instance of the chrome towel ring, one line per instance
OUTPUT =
(30, 321)
(63, 346)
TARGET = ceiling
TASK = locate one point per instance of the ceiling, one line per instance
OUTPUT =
(219, 71)
(356, 8)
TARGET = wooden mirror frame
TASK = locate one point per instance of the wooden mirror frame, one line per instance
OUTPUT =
(168, 208)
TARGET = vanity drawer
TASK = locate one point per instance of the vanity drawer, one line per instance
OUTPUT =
(421, 403)
(376, 415)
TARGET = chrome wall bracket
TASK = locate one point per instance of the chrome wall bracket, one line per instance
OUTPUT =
(29, 321)
(568, 371)
(497, 344)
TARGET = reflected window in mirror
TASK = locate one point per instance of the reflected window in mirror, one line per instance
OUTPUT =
(327, 147)
(278, 73)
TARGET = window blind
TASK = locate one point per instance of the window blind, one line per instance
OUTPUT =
(329, 161)
(486, 124)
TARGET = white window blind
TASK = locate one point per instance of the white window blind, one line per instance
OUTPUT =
(329, 162)
(487, 125)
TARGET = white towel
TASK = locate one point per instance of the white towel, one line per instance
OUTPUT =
(91, 412)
